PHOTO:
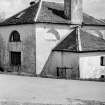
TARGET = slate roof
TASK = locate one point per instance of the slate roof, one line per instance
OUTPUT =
(50, 12)
(103, 20)
(90, 42)
(24, 17)
(87, 41)
(69, 43)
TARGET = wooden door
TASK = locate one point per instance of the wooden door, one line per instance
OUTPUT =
(15, 58)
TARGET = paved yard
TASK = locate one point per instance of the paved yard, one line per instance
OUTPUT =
(32, 89)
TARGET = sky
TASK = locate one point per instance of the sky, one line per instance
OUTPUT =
(95, 8)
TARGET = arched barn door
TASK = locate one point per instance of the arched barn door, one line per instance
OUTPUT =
(15, 53)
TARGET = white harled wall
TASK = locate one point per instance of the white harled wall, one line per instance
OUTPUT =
(90, 65)
(46, 40)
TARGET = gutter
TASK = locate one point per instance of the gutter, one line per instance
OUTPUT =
(79, 51)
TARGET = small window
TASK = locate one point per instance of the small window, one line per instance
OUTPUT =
(103, 61)
(14, 37)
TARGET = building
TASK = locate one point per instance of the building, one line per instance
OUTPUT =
(79, 55)
(27, 38)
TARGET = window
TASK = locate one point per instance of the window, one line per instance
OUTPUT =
(103, 61)
(14, 37)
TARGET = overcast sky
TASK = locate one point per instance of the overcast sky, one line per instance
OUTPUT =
(93, 7)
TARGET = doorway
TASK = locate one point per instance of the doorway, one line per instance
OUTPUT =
(67, 73)
(15, 58)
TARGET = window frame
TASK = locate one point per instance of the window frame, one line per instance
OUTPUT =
(102, 61)
(14, 37)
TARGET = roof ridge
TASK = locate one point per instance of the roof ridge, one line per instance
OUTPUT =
(79, 41)
(52, 12)
(38, 11)
(78, 38)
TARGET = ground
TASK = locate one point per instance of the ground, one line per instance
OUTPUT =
(44, 90)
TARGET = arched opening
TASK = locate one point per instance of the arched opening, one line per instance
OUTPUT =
(14, 37)
(15, 55)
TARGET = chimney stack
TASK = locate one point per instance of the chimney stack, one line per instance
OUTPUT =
(73, 11)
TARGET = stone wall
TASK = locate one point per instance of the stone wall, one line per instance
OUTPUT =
(26, 47)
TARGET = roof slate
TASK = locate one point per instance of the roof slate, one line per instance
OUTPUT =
(88, 42)
(24, 17)
(50, 12)
(69, 43)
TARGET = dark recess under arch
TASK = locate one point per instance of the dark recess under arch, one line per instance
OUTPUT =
(14, 37)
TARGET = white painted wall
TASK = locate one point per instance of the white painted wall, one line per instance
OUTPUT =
(89, 64)
(44, 44)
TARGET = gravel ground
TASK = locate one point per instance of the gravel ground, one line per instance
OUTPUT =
(16, 90)
(71, 102)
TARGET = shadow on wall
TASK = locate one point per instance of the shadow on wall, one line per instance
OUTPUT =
(1, 69)
(29, 54)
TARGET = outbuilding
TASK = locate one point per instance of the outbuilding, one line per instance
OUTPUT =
(80, 55)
